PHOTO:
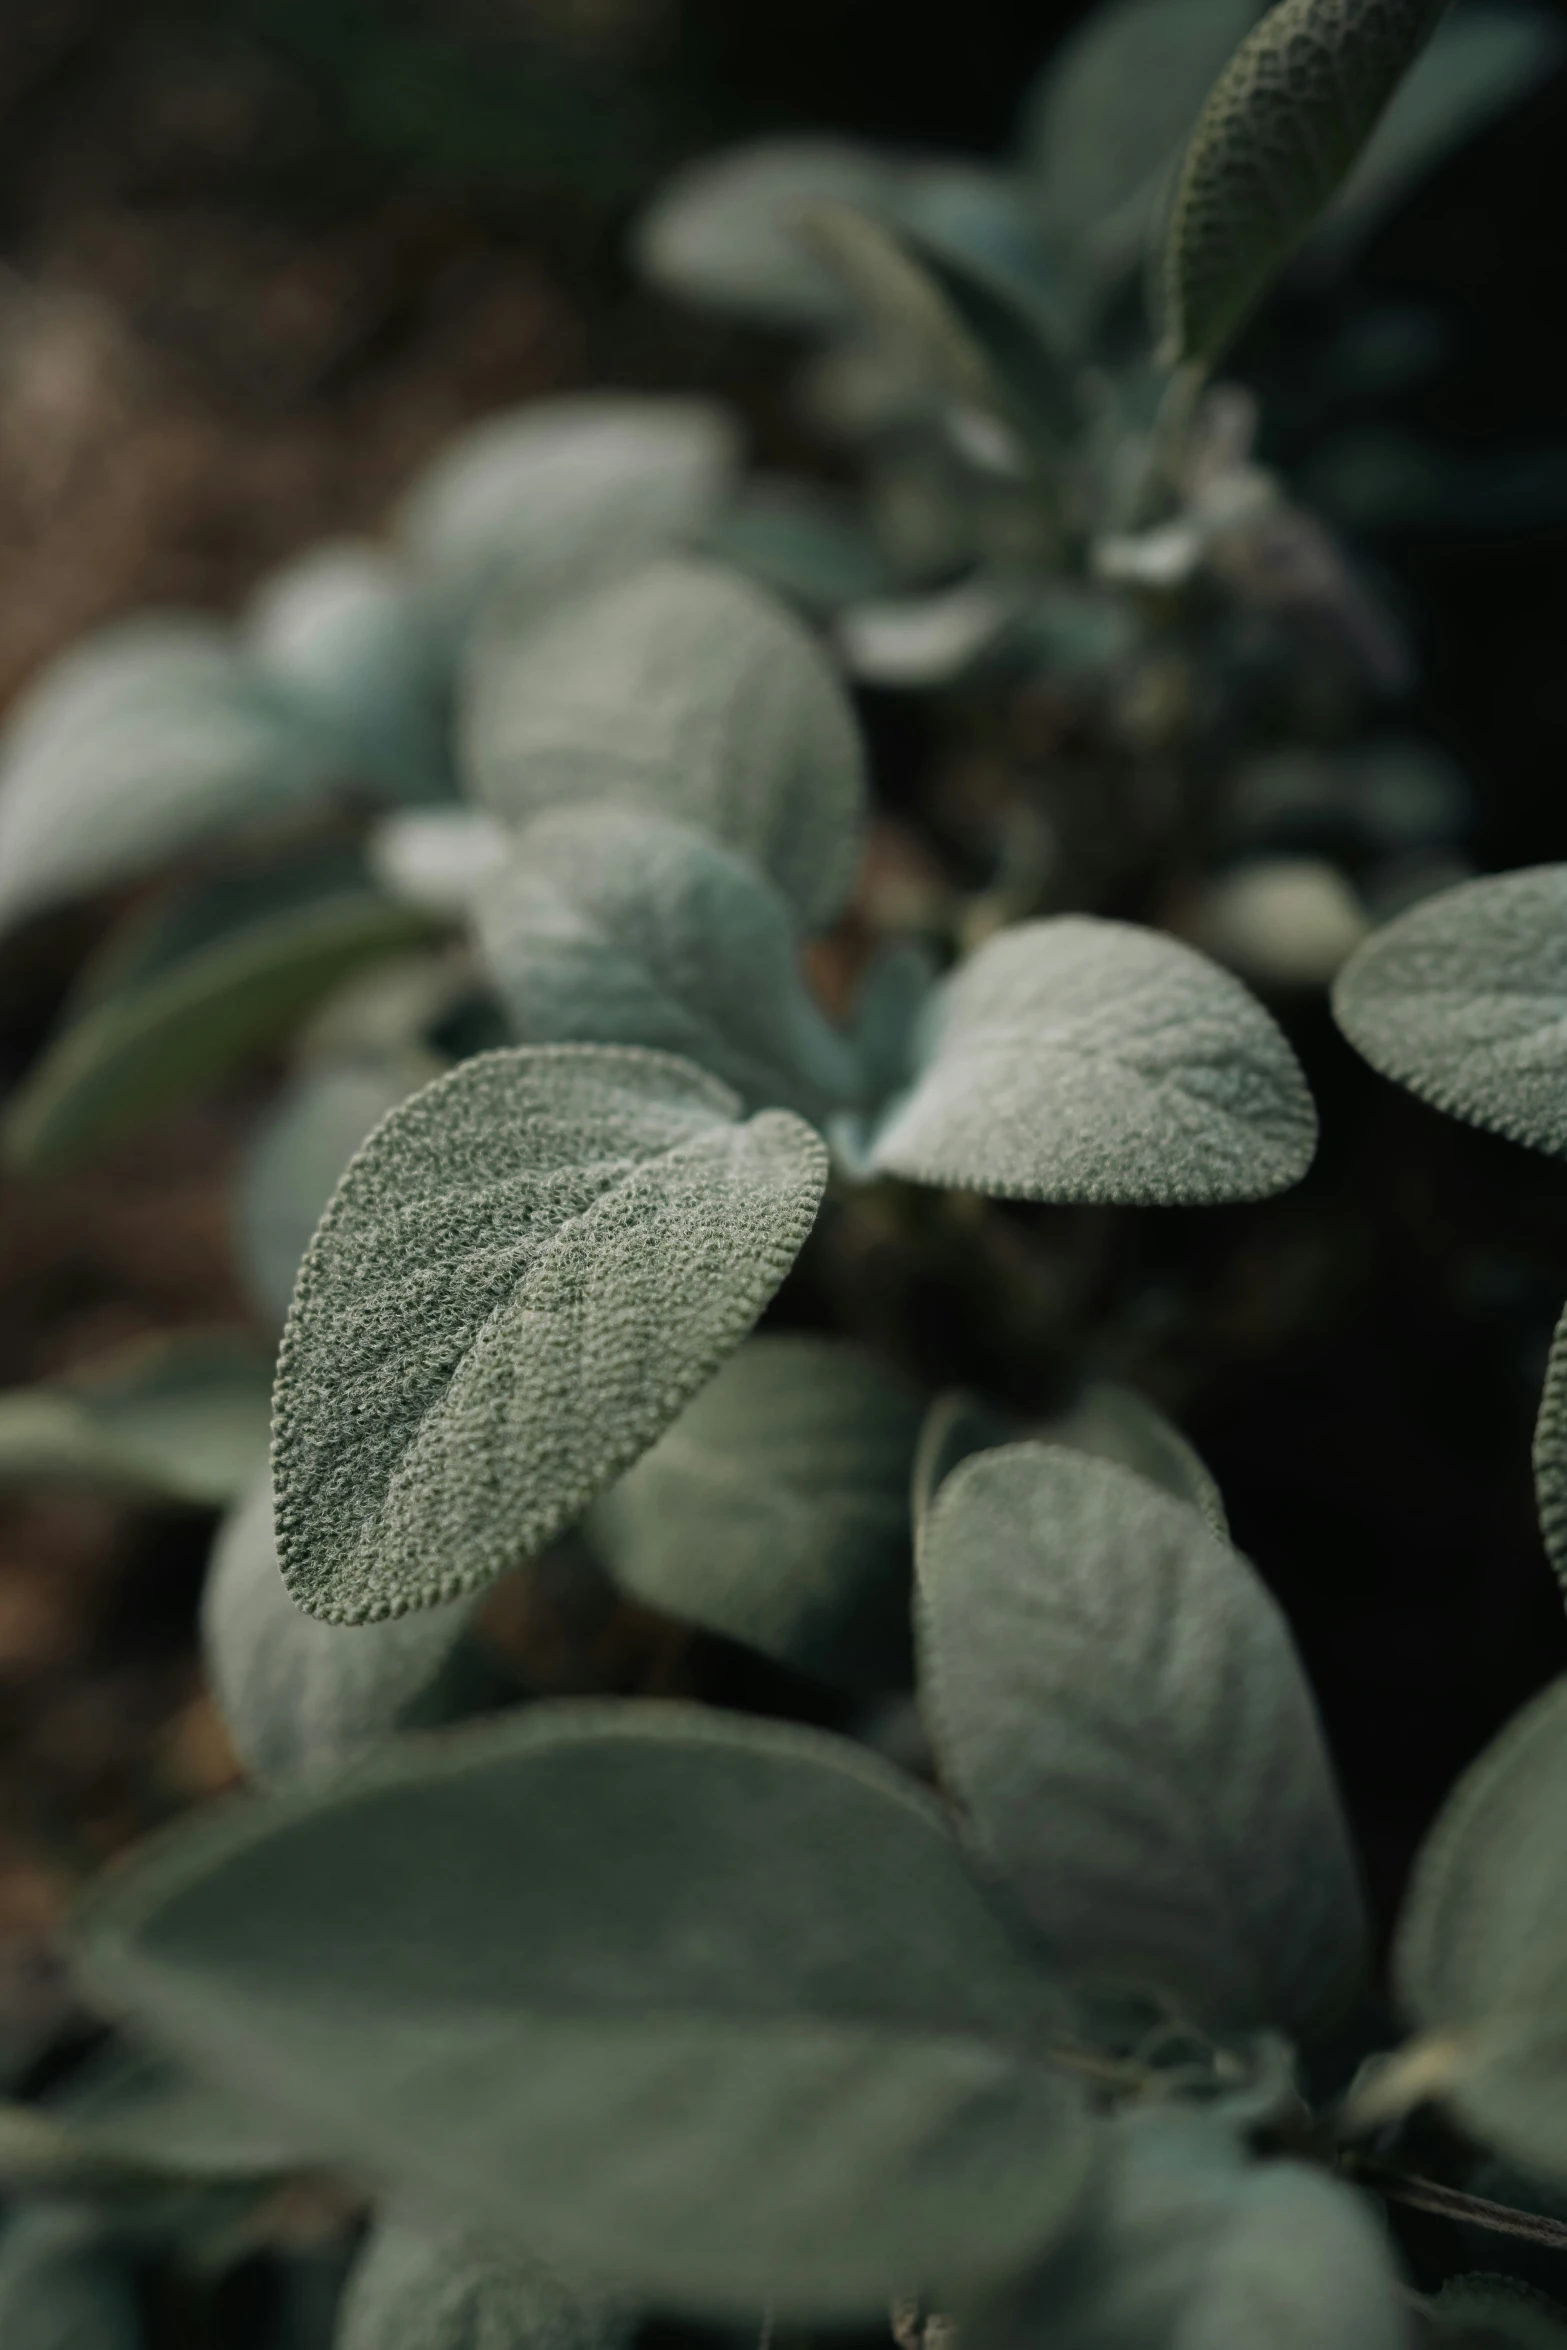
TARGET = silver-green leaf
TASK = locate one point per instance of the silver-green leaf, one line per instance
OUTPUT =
(707, 2007)
(1482, 1944)
(1464, 1000)
(424, 2283)
(776, 1510)
(618, 926)
(724, 232)
(182, 1419)
(685, 689)
(1076, 1059)
(1118, 1703)
(298, 1695)
(1276, 139)
(524, 1275)
(1115, 1423)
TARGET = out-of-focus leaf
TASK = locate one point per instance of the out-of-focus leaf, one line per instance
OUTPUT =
(956, 1425)
(1076, 1059)
(131, 2109)
(1119, 1705)
(141, 743)
(804, 545)
(1276, 140)
(547, 495)
(617, 926)
(724, 232)
(183, 1418)
(686, 690)
(1495, 2313)
(525, 1274)
(709, 2006)
(436, 858)
(184, 992)
(1115, 1423)
(423, 2284)
(61, 2287)
(927, 640)
(776, 1510)
(301, 1696)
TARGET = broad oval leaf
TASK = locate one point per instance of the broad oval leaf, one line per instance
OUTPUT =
(1482, 1942)
(298, 1695)
(340, 635)
(957, 1425)
(429, 2284)
(556, 490)
(183, 1418)
(724, 232)
(1119, 1704)
(1275, 141)
(614, 926)
(183, 992)
(526, 1272)
(144, 741)
(1115, 1423)
(1464, 1000)
(709, 2007)
(776, 1510)
(1075, 1059)
(684, 689)
(61, 2285)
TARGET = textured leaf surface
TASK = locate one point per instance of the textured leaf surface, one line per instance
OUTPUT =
(776, 1510)
(956, 1425)
(1115, 1423)
(526, 1272)
(61, 2288)
(422, 2284)
(179, 1419)
(1550, 1455)
(614, 926)
(298, 1695)
(1119, 1704)
(560, 489)
(1482, 1944)
(724, 232)
(182, 994)
(1275, 141)
(710, 2008)
(689, 691)
(140, 743)
(1464, 1000)
(1075, 1059)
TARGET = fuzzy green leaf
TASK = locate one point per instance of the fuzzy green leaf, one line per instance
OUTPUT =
(616, 926)
(182, 993)
(548, 494)
(182, 1419)
(131, 2115)
(684, 689)
(1482, 1944)
(144, 741)
(776, 1510)
(1464, 1000)
(1115, 1423)
(61, 2287)
(425, 2284)
(710, 2007)
(339, 634)
(1075, 1059)
(724, 232)
(525, 1274)
(1550, 1456)
(298, 1695)
(1119, 1704)
(1275, 141)
(956, 1425)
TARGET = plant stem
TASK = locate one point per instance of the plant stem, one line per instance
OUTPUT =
(1451, 2202)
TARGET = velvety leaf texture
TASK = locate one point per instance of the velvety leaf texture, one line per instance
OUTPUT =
(61, 2287)
(298, 1695)
(614, 926)
(181, 994)
(956, 1425)
(724, 231)
(684, 689)
(423, 2284)
(560, 489)
(1119, 1705)
(707, 2008)
(1075, 1059)
(1276, 139)
(143, 741)
(525, 1274)
(1482, 1944)
(776, 1510)
(1464, 1000)
(180, 1419)
(1550, 1455)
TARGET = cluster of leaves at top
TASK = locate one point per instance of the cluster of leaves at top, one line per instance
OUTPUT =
(625, 2008)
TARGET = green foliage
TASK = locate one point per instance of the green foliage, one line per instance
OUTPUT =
(1119, 1705)
(1550, 1455)
(1115, 1423)
(526, 1272)
(723, 231)
(776, 1510)
(61, 2288)
(1462, 1000)
(681, 689)
(178, 1419)
(422, 2284)
(1275, 141)
(1495, 2313)
(1084, 1060)
(709, 2006)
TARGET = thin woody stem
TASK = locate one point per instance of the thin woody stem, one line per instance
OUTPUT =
(1451, 2202)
